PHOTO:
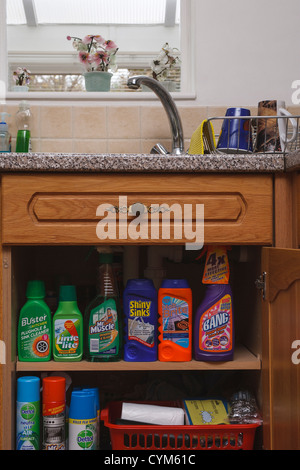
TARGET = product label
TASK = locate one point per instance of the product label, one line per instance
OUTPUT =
(139, 329)
(104, 329)
(216, 269)
(54, 422)
(215, 330)
(175, 321)
(82, 434)
(28, 426)
(34, 337)
(66, 337)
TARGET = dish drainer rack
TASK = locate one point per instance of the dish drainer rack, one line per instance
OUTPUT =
(253, 125)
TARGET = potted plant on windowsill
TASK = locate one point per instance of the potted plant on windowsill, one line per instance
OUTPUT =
(165, 62)
(21, 77)
(98, 56)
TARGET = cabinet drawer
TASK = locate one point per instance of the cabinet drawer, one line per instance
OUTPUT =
(70, 209)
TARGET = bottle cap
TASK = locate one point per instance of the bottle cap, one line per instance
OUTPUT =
(106, 258)
(94, 390)
(28, 389)
(140, 284)
(54, 389)
(175, 284)
(35, 290)
(67, 293)
(83, 405)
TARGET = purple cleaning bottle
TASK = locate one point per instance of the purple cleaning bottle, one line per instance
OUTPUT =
(140, 311)
(214, 325)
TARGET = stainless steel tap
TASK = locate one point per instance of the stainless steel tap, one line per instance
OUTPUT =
(170, 108)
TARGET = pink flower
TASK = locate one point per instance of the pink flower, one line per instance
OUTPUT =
(110, 45)
(87, 39)
(100, 56)
(99, 39)
(84, 57)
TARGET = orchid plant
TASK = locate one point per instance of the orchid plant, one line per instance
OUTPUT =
(21, 76)
(167, 59)
(95, 53)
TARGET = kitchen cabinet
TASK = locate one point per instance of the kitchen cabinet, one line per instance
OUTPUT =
(49, 220)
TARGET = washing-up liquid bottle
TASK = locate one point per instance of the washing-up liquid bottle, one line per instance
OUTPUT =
(67, 327)
(23, 119)
(103, 327)
(214, 319)
(35, 326)
(175, 321)
(140, 312)
(5, 137)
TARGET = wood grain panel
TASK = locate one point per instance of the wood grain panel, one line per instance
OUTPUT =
(61, 209)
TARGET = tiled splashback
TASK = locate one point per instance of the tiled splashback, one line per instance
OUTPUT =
(107, 129)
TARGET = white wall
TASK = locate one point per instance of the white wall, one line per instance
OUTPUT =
(247, 50)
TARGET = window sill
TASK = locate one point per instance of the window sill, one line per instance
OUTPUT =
(95, 96)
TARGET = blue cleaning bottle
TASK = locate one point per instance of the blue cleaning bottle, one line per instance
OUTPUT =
(83, 420)
(140, 311)
(28, 413)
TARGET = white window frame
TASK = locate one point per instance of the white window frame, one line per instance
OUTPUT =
(188, 9)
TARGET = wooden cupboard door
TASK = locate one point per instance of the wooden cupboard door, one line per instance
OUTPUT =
(281, 349)
(63, 208)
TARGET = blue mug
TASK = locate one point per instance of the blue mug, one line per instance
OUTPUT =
(236, 136)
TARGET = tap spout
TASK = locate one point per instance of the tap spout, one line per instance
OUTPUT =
(169, 105)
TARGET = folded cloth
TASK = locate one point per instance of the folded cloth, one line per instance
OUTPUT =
(203, 139)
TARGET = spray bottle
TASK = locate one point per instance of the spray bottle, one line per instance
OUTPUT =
(23, 118)
(214, 320)
(103, 315)
(5, 137)
(28, 413)
(54, 413)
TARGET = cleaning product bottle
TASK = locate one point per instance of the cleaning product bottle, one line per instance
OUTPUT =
(67, 327)
(28, 413)
(214, 320)
(82, 421)
(140, 311)
(23, 118)
(35, 325)
(5, 137)
(95, 390)
(175, 321)
(54, 413)
(103, 315)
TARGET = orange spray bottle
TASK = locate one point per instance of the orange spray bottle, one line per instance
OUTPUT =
(175, 321)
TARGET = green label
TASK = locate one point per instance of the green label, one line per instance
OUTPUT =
(66, 337)
(34, 337)
(103, 335)
(28, 426)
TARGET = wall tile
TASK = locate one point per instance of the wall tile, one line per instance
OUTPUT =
(123, 122)
(154, 123)
(90, 145)
(124, 146)
(56, 122)
(89, 122)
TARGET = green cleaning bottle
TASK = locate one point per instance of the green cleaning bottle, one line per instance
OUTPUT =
(67, 327)
(103, 315)
(23, 118)
(35, 325)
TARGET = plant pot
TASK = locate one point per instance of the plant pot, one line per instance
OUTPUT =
(20, 88)
(97, 81)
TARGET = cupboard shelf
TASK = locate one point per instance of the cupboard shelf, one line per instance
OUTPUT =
(243, 359)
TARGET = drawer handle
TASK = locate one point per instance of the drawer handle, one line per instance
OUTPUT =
(133, 209)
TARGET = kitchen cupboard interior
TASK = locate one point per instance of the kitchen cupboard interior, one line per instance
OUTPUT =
(56, 264)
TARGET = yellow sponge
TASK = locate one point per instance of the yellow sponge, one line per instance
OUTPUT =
(203, 140)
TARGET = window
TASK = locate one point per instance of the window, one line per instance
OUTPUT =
(37, 31)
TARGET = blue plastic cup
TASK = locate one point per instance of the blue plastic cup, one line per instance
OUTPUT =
(236, 136)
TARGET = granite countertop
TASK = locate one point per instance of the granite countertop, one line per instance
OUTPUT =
(72, 162)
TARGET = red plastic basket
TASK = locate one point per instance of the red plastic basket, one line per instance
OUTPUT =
(152, 437)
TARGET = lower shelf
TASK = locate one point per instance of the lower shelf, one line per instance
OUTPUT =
(243, 360)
